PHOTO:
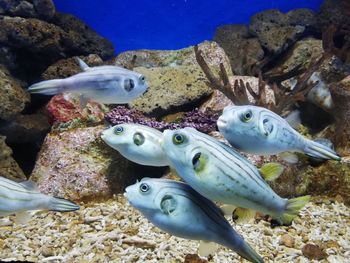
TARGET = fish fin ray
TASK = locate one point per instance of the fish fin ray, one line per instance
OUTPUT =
(289, 157)
(271, 171)
(243, 215)
(62, 205)
(206, 248)
(83, 66)
(23, 217)
(293, 207)
(318, 150)
(30, 185)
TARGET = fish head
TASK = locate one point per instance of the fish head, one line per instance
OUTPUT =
(133, 85)
(185, 152)
(118, 136)
(145, 195)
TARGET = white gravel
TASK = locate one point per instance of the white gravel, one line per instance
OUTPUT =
(113, 231)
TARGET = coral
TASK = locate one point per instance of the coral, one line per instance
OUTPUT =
(204, 122)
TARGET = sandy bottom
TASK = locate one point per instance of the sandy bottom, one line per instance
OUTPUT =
(115, 232)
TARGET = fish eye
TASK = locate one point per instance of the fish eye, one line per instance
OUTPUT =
(142, 78)
(144, 187)
(196, 161)
(247, 116)
(178, 138)
(118, 130)
(139, 139)
(129, 85)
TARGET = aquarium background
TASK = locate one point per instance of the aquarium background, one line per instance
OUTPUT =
(168, 24)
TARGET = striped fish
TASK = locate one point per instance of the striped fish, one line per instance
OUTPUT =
(138, 143)
(17, 198)
(219, 173)
(258, 130)
(179, 210)
(104, 84)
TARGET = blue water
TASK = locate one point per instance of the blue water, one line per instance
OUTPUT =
(168, 24)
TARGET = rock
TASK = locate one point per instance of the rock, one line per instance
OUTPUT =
(171, 88)
(77, 165)
(241, 47)
(314, 252)
(82, 40)
(287, 240)
(218, 101)
(65, 108)
(334, 12)
(7, 58)
(341, 112)
(212, 52)
(13, 97)
(277, 31)
(43, 9)
(297, 58)
(8, 166)
(194, 258)
(68, 67)
(26, 128)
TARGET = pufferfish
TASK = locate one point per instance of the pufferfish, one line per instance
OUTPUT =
(138, 143)
(103, 84)
(179, 210)
(219, 173)
(257, 130)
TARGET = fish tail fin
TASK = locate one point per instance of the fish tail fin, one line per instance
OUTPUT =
(293, 207)
(47, 87)
(61, 205)
(320, 151)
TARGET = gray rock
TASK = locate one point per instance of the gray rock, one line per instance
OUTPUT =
(242, 49)
(333, 12)
(13, 97)
(277, 31)
(8, 166)
(43, 9)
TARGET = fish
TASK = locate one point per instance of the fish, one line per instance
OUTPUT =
(221, 174)
(20, 198)
(179, 210)
(103, 84)
(257, 130)
(138, 143)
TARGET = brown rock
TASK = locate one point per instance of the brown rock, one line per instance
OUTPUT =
(8, 166)
(13, 97)
(287, 240)
(194, 258)
(314, 252)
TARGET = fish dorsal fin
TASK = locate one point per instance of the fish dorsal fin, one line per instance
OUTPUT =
(271, 171)
(168, 204)
(83, 66)
(30, 185)
(22, 217)
(206, 248)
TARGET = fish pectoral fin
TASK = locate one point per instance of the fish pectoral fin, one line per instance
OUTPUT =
(30, 185)
(228, 210)
(22, 217)
(243, 215)
(207, 248)
(271, 171)
(168, 204)
(289, 157)
(83, 66)
(83, 101)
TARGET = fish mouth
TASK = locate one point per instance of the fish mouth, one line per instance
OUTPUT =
(221, 122)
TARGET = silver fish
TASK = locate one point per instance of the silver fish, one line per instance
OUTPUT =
(221, 174)
(103, 84)
(138, 143)
(18, 198)
(258, 130)
(179, 210)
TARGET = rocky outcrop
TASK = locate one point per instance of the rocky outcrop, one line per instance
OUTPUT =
(76, 164)
(241, 47)
(13, 97)
(42, 9)
(8, 166)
